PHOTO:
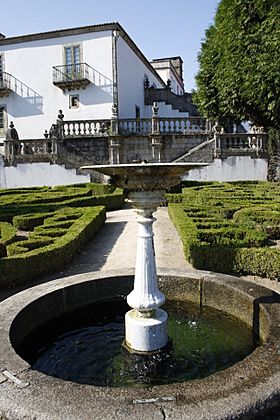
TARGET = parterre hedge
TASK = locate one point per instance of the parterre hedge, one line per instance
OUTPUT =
(230, 227)
(49, 249)
(42, 228)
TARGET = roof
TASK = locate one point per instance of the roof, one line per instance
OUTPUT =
(81, 30)
(167, 59)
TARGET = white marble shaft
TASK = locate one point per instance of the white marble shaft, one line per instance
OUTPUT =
(145, 296)
(146, 323)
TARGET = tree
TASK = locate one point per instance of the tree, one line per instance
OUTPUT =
(239, 75)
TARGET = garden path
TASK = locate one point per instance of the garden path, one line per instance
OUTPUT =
(114, 248)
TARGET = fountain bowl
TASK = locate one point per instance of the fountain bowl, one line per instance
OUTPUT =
(145, 176)
(245, 390)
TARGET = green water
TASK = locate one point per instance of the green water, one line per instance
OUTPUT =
(86, 347)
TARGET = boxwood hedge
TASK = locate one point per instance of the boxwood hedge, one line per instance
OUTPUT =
(44, 252)
(230, 227)
(58, 221)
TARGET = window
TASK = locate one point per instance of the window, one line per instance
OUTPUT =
(72, 56)
(1, 68)
(2, 121)
(74, 101)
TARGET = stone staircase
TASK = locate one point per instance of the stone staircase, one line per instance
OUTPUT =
(182, 103)
(204, 152)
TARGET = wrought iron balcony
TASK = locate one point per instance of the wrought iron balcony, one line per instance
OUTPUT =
(71, 76)
(5, 84)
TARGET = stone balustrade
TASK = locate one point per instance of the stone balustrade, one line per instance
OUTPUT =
(181, 125)
(36, 149)
(240, 140)
(135, 126)
(228, 143)
(90, 128)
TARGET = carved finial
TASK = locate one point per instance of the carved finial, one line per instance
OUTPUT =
(217, 128)
(11, 133)
(60, 115)
(114, 110)
(146, 82)
(155, 109)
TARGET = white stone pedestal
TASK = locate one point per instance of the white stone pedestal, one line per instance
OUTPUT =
(146, 324)
(146, 334)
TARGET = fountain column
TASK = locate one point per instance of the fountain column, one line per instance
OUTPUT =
(146, 323)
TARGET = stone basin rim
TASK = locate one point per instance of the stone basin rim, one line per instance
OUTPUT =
(245, 397)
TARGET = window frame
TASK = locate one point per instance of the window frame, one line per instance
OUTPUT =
(71, 97)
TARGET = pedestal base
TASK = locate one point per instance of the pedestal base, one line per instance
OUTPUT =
(146, 334)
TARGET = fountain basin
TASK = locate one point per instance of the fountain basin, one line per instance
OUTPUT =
(242, 391)
(146, 176)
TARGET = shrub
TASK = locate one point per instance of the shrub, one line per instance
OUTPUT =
(37, 256)
(225, 227)
(7, 236)
(28, 222)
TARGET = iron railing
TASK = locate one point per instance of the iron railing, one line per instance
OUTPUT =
(5, 81)
(70, 72)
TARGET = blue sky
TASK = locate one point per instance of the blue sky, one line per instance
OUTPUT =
(159, 28)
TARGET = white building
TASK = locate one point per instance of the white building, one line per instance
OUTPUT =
(170, 70)
(82, 71)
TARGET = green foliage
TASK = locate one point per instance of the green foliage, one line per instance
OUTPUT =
(58, 220)
(50, 248)
(47, 200)
(7, 236)
(228, 227)
(239, 61)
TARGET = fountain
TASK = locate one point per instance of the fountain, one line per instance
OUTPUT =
(146, 323)
(233, 391)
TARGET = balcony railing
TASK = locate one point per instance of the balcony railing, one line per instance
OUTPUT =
(71, 76)
(31, 150)
(135, 126)
(236, 143)
(5, 84)
(81, 128)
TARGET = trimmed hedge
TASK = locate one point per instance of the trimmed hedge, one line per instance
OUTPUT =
(50, 200)
(227, 227)
(35, 257)
(7, 236)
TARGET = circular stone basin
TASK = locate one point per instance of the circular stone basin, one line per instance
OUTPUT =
(244, 390)
(146, 176)
(85, 346)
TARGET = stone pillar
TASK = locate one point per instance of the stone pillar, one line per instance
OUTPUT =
(146, 323)
(155, 119)
(114, 120)
(114, 150)
(60, 126)
(156, 148)
(156, 136)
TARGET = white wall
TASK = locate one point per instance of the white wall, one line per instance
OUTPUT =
(38, 174)
(35, 104)
(131, 75)
(168, 74)
(234, 168)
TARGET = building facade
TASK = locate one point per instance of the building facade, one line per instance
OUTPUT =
(83, 71)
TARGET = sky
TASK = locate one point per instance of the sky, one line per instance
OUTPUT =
(159, 28)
